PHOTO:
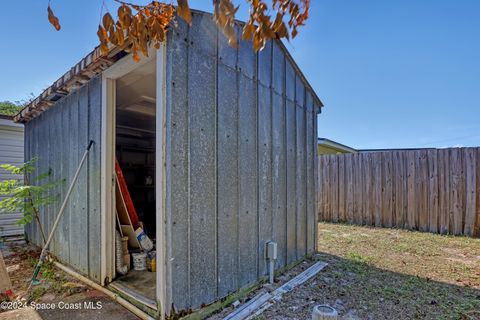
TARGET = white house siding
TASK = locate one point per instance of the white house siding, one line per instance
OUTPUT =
(11, 152)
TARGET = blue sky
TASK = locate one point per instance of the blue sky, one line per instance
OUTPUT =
(398, 73)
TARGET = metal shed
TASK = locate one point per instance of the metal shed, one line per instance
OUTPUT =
(235, 161)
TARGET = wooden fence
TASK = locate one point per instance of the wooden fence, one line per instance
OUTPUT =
(436, 190)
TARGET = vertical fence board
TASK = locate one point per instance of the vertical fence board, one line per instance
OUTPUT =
(328, 189)
(398, 189)
(432, 190)
(411, 211)
(349, 176)
(388, 190)
(377, 199)
(435, 190)
(470, 192)
(341, 189)
(357, 195)
(334, 187)
(456, 192)
(371, 194)
(444, 191)
(422, 169)
(476, 231)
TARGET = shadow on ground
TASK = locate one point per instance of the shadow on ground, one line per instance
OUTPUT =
(359, 290)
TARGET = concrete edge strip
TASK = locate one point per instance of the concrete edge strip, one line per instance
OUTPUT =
(262, 302)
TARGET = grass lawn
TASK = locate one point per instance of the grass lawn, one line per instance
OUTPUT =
(377, 273)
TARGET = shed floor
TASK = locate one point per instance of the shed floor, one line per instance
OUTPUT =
(141, 283)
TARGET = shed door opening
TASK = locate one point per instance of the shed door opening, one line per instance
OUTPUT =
(135, 153)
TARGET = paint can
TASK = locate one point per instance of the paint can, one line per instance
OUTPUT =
(144, 240)
(151, 262)
(139, 261)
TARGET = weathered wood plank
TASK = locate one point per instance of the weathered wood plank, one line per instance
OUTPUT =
(349, 181)
(371, 166)
(422, 177)
(328, 189)
(377, 198)
(456, 191)
(398, 189)
(433, 191)
(411, 208)
(470, 192)
(334, 187)
(476, 231)
(443, 193)
(387, 190)
(341, 189)
(357, 194)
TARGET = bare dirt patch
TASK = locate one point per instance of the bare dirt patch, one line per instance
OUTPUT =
(388, 274)
(56, 287)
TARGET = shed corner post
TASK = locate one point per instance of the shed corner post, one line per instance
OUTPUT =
(106, 177)
(162, 222)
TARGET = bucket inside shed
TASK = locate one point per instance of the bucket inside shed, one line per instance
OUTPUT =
(135, 151)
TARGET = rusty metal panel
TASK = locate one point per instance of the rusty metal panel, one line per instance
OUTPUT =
(94, 174)
(247, 175)
(53, 147)
(73, 203)
(299, 92)
(202, 92)
(278, 70)
(301, 183)
(310, 177)
(59, 137)
(36, 146)
(203, 37)
(81, 188)
(63, 107)
(227, 55)
(289, 81)
(265, 65)
(177, 170)
(235, 175)
(291, 125)
(247, 58)
(279, 182)
(227, 180)
(43, 167)
(264, 175)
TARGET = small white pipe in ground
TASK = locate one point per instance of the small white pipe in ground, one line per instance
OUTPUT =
(272, 256)
(324, 312)
(127, 305)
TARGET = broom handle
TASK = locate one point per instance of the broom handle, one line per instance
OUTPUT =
(60, 213)
(64, 204)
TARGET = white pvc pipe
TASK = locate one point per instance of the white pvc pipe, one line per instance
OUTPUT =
(115, 297)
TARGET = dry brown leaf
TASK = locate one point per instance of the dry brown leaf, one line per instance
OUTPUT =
(53, 19)
(183, 11)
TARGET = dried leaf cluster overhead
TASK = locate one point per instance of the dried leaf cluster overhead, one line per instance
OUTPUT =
(138, 25)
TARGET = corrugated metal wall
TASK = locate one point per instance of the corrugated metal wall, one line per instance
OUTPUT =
(241, 139)
(59, 137)
(11, 152)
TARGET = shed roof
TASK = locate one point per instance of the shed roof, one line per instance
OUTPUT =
(335, 145)
(94, 64)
